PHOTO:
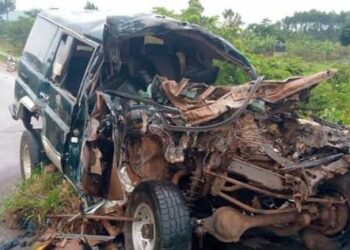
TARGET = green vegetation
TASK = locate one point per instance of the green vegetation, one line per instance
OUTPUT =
(318, 24)
(42, 194)
(313, 40)
(7, 6)
(345, 35)
(13, 35)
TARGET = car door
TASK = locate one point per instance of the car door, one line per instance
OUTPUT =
(33, 64)
(59, 92)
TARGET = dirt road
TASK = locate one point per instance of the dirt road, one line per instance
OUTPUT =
(10, 133)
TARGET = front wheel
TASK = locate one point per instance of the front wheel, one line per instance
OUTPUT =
(162, 220)
(30, 153)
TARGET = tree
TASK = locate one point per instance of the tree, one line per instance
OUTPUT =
(90, 6)
(232, 19)
(32, 13)
(267, 29)
(318, 24)
(193, 13)
(164, 12)
(345, 35)
(7, 6)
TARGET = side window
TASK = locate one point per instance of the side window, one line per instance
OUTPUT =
(70, 63)
(60, 65)
(38, 42)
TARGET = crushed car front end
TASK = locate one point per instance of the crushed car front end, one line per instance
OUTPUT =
(233, 157)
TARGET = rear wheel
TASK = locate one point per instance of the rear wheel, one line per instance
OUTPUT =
(30, 153)
(162, 221)
(337, 228)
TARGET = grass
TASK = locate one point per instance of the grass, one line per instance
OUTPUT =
(42, 194)
(330, 100)
(7, 46)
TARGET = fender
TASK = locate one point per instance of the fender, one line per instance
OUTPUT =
(24, 103)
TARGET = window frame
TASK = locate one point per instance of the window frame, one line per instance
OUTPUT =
(55, 53)
(28, 54)
(84, 41)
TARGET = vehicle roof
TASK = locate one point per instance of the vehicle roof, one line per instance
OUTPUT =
(87, 23)
(92, 24)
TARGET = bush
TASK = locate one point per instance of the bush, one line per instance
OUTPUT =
(40, 195)
(343, 74)
(312, 50)
(230, 74)
(13, 35)
(277, 67)
(331, 100)
(345, 35)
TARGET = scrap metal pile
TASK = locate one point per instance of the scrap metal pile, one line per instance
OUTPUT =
(241, 149)
(241, 155)
(160, 154)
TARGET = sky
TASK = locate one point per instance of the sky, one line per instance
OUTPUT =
(250, 10)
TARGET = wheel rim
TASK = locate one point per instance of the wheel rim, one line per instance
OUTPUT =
(143, 229)
(26, 161)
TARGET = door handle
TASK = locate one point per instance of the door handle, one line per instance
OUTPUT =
(44, 96)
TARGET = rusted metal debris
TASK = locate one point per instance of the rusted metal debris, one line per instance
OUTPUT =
(268, 164)
(211, 101)
(84, 237)
(139, 128)
(92, 217)
(220, 223)
(268, 154)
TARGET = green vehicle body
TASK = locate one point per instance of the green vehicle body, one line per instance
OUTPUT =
(128, 113)
(63, 115)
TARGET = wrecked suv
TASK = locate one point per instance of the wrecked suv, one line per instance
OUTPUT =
(127, 108)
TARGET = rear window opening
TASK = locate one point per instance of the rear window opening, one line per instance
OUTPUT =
(70, 63)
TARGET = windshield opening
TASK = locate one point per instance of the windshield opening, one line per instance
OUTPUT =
(173, 56)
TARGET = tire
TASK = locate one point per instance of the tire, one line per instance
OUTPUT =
(30, 153)
(341, 185)
(163, 206)
(26, 119)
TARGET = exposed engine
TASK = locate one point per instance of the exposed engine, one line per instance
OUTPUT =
(242, 152)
